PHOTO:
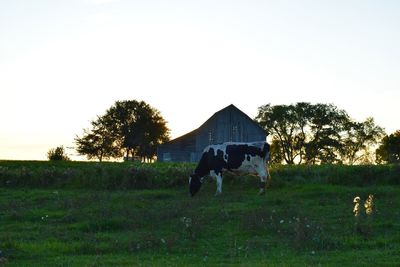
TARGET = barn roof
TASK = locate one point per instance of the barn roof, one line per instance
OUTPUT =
(233, 108)
(230, 108)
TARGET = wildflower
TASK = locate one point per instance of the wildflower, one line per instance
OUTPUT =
(356, 209)
(369, 204)
(186, 221)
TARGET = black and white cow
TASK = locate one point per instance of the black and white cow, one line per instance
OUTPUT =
(241, 157)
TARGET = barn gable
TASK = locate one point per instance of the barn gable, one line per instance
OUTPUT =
(227, 125)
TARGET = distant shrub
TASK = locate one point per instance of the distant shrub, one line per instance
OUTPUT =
(57, 154)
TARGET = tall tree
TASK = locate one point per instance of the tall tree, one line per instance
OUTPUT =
(326, 122)
(129, 128)
(276, 152)
(358, 138)
(321, 133)
(138, 127)
(389, 150)
(99, 142)
(287, 124)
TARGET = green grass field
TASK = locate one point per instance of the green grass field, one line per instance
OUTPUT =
(305, 218)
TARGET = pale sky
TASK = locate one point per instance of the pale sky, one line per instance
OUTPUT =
(64, 62)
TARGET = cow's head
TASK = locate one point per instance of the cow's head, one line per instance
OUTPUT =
(194, 184)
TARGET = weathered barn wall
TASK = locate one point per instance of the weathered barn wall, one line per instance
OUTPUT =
(227, 125)
(181, 149)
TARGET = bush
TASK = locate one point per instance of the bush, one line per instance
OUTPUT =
(57, 154)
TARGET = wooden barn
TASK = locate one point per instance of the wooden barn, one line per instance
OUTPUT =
(227, 125)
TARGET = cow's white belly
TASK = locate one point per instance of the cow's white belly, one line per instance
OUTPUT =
(248, 167)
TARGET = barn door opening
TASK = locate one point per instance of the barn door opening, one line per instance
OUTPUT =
(234, 133)
(210, 137)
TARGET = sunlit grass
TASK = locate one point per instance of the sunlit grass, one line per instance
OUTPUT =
(306, 218)
(299, 225)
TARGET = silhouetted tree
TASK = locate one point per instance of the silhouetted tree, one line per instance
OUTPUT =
(57, 154)
(129, 128)
(359, 138)
(287, 124)
(317, 133)
(138, 127)
(99, 142)
(276, 152)
(305, 132)
(326, 123)
(389, 150)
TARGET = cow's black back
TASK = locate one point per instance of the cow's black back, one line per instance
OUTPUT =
(234, 156)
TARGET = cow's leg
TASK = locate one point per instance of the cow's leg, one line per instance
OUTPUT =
(262, 186)
(219, 184)
(263, 173)
(218, 179)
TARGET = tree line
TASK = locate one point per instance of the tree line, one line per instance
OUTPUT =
(322, 133)
(300, 133)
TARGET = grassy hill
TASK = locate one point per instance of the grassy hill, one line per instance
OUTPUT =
(90, 214)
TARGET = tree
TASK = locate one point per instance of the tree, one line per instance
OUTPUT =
(287, 124)
(276, 152)
(359, 138)
(129, 128)
(57, 154)
(326, 122)
(305, 132)
(98, 143)
(138, 127)
(317, 133)
(389, 150)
